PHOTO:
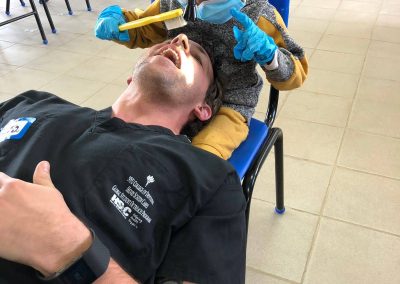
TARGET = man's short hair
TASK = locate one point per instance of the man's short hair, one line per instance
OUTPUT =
(213, 98)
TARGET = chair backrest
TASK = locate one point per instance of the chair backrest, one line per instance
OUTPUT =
(282, 6)
(243, 156)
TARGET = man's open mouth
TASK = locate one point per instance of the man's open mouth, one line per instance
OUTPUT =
(173, 56)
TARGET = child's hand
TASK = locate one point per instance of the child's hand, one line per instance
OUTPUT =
(253, 43)
(107, 24)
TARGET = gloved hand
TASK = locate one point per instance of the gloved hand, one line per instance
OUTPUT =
(107, 24)
(252, 42)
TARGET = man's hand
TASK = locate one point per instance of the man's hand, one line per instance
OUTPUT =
(252, 42)
(107, 24)
(37, 228)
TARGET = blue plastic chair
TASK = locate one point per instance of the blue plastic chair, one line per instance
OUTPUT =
(249, 157)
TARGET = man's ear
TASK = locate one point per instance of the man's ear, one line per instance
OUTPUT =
(203, 112)
(129, 80)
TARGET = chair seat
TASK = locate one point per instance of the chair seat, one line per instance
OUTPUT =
(243, 156)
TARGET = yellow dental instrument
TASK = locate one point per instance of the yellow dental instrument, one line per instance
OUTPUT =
(173, 19)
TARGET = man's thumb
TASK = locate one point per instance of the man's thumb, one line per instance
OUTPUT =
(41, 176)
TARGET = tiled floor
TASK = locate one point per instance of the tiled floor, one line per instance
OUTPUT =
(341, 131)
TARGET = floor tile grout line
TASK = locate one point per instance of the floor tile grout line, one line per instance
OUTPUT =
(335, 164)
(315, 122)
(341, 167)
(383, 79)
(368, 173)
(327, 192)
(308, 160)
(351, 36)
(356, 95)
(288, 117)
(353, 74)
(63, 72)
(330, 70)
(271, 275)
(326, 94)
(374, 133)
(303, 211)
(60, 75)
(345, 52)
(397, 235)
(318, 223)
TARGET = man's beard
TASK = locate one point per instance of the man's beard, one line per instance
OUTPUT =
(157, 85)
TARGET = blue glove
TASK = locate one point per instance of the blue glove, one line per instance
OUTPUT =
(252, 42)
(107, 24)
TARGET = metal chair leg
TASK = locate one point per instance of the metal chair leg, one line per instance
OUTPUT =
(8, 7)
(88, 5)
(280, 206)
(20, 17)
(39, 23)
(275, 138)
(46, 10)
(68, 7)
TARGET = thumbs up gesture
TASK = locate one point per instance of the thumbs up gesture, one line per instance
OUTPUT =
(37, 228)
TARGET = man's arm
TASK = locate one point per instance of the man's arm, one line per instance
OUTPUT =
(40, 231)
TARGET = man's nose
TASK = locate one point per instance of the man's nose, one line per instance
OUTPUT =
(183, 41)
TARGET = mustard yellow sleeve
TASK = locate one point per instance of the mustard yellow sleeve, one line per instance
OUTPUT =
(223, 134)
(148, 35)
(293, 66)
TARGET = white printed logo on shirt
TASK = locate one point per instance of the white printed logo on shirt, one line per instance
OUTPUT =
(150, 179)
(133, 201)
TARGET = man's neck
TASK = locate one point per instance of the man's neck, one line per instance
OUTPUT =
(132, 108)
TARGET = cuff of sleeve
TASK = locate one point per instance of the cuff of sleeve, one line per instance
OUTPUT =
(274, 63)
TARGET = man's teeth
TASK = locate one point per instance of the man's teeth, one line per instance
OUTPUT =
(172, 55)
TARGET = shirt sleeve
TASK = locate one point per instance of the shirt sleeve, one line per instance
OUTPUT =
(24, 99)
(211, 247)
(148, 35)
(292, 63)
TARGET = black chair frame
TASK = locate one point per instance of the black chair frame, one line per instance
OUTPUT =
(33, 13)
(89, 8)
(273, 139)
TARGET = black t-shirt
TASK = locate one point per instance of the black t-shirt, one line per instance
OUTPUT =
(162, 207)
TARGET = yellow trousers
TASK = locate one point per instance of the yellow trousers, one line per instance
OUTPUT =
(223, 134)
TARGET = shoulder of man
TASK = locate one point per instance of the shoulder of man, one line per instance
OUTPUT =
(31, 97)
(191, 164)
(210, 167)
(24, 100)
(38, 103)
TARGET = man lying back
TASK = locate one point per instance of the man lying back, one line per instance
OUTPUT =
(118, 195)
